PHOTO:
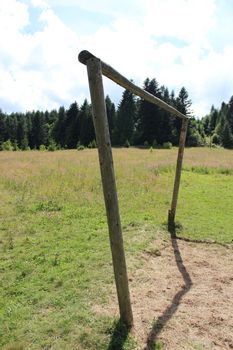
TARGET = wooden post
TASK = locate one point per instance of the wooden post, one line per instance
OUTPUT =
(172, 211)
(109, 188)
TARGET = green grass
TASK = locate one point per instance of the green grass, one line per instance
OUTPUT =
(55, 261)
(205, 207)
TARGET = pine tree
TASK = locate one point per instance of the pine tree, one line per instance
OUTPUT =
(71, 126)
(229, 114)
(166, 119)
(226, 136)
(125, 119)
(213, 119)
(183, 104)
(111, 115)
(39, 132)
(87, 133)
(3, 128)
(22, 136)
(28, 118)
(12, 126)
(58, 130)
(149, 115)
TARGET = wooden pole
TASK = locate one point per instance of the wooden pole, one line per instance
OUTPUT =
(172, 211)
(112, 74)
(109, 188)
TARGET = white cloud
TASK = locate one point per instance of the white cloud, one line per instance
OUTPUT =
(132, 48)
(39, 3)
(111, 8)
(39, 68)
(9, 20)
(188, 20)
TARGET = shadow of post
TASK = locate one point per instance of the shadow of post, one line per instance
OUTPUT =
(172, 308)
(119, 336)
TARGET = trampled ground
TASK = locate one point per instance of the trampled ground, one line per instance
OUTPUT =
(182, 296)
(187, 292)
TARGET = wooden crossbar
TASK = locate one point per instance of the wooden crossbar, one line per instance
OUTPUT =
(112, 74)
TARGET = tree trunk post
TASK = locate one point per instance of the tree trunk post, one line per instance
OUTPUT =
(100, 121)
(172, 211)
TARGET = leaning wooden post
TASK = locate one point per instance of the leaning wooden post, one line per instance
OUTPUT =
(109, 188)
(172, 211)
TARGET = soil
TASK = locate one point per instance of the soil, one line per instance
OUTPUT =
(182, 297)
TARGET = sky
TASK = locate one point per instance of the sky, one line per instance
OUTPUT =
(179, 42)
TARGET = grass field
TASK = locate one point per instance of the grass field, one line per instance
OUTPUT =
(55, 261)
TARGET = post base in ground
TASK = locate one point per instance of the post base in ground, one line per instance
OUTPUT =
(171, 223)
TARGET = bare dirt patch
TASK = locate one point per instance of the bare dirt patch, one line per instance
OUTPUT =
(182, 297)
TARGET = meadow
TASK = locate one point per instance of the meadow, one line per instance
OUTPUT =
(55, 263)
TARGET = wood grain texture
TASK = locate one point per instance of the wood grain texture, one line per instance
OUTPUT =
(109, 188)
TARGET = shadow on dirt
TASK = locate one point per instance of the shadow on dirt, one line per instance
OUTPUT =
(172, 308)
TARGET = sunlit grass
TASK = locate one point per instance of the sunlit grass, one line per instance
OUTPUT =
(55, 261)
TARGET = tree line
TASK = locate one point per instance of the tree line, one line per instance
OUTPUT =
(218, 125)
(133, 122)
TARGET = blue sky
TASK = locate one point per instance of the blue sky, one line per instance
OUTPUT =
(179, 42)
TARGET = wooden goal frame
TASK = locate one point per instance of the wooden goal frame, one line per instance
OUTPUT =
(95, 69)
